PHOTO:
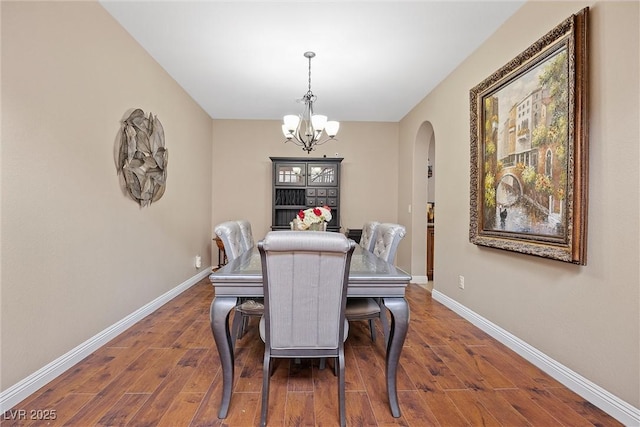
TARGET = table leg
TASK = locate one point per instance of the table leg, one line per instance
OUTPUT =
(399, 310)
(219, 315)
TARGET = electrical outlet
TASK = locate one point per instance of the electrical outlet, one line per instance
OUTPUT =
(461, 282)
(198, 261)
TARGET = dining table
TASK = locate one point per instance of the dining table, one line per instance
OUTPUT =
(369, 276)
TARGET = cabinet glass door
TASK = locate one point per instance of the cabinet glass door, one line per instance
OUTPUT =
(323, 174)
(290, 174)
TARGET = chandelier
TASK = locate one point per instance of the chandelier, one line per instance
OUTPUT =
(306, 129)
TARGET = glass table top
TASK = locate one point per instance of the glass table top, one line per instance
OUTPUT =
(365, 266)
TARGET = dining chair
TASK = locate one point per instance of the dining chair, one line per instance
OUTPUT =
(231, 234)
(368, 235)
(388, 237)
(247, 235)
(365, 308)
(384, 244)
(305, 279)
(248, 307)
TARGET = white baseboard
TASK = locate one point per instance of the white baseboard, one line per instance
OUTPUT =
(419, 280)
(24, 388)
(612, 405)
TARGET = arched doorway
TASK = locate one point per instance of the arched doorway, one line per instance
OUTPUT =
(423, 192)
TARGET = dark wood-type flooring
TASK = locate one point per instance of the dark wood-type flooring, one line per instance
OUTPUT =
(165, 371)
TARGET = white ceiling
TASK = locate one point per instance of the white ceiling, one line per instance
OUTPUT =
(375, 60)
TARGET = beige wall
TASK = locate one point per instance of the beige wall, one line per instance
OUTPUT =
(77, 254)
(242, 170)
(587, 318)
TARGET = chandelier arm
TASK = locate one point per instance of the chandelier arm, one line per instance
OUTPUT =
(297, 139)
(306, 147)
(327, 139)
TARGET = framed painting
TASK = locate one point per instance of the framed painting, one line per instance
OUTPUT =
(529, 149)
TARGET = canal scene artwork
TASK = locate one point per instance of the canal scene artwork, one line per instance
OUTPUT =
(528, 149)
(525, 151)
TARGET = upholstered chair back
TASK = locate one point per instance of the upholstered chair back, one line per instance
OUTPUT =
(305, 277)
(245, 232)
(231, 236)
(388, 237)
(367, 239)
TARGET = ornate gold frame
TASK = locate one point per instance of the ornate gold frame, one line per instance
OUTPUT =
(529, 159)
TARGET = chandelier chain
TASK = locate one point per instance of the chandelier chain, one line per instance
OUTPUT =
(310, 74)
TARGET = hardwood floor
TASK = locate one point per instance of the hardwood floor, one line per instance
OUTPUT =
(164, 371)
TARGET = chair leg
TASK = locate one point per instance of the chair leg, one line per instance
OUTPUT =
(245, 326)
(323, 364)
(235, 327)
(341, 387)
(266, 376)
(372, 328)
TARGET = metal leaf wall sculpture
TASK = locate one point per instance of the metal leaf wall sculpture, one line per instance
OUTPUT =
(142, 157)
